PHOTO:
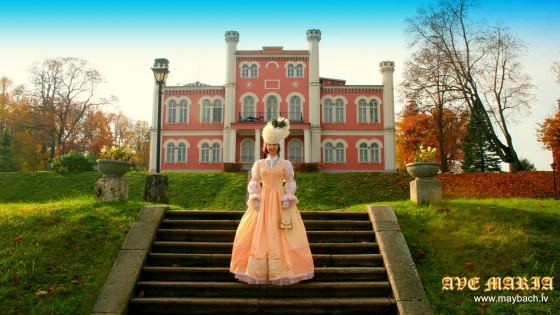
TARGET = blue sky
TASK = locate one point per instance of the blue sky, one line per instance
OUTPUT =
(122, 38)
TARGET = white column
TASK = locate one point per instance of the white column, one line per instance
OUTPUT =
(257, 144)
(233, 145)
(282, 145)
(313, 37)
(306, 146)
(389, 146)
(315, 144)
(227, 145)
(231, 38)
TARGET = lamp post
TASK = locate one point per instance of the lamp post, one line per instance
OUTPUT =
(161, 70)
(554, 165)
(157, 185)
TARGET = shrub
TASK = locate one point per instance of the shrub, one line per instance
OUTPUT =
(527, 165)
(232, 167)
(307, 167)
(73, 161)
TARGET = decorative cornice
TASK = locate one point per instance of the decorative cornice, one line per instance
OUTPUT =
(353, 88)
(268, 57)
(193, 89)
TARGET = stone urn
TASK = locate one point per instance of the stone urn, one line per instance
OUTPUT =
(423, 170)
(113, 168)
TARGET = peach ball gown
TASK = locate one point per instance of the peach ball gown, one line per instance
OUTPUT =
(262, 251)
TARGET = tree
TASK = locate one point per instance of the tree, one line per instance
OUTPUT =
(478, 153)
(556, 70)
(427, 84)
(9, 161)
(64, 89)
(549, 134)
(527, 165)
(485, 67)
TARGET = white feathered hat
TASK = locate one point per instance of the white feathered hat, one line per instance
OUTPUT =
(276, 130)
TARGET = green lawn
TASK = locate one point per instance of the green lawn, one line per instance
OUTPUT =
(57, 244)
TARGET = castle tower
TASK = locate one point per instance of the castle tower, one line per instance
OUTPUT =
(231, 38)
(314, 37)
(387, 68)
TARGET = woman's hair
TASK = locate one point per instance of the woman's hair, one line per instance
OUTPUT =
(265, 150)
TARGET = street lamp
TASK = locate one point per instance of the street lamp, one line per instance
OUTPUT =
(554, 165)
(161, 70)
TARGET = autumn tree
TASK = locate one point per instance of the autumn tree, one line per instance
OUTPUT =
(63, 90)
(484, 62)
(428, 83)
(478, 154)
(9, 161)
(556, 70)
(132, 133)
(548, 134)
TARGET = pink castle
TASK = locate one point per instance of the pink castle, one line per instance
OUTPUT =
(345, 127)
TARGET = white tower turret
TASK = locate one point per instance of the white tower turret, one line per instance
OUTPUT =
(387, 68)
(314, 37)
(231, 38)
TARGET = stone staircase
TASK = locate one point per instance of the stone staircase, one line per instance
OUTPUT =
(187, 269)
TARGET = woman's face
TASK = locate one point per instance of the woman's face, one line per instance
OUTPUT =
(272, 148)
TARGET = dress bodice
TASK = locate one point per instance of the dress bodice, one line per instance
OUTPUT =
(272, 177)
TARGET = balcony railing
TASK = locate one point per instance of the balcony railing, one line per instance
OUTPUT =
(259, 117)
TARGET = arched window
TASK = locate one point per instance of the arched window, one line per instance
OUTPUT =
(170, 153)
(216, 152)
(291, 69)
(340, 152)
(247, 151)
(374, 152)
(205, 111)
(271, 107)
(295, 151)
(181, 153)
(295, 109)
(363, 152)
(369, 151)
(368, 112)
(339, 110)
(254, 71)
(245, 71)
(328, 111)
(205, 153)
(299, 70)
(329, 152)
(183, 111)
(248, 107)
(217, 111)
(172, 111)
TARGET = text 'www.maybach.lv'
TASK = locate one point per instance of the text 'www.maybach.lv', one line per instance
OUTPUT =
(498, 283)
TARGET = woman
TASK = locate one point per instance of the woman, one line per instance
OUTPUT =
(271, 242)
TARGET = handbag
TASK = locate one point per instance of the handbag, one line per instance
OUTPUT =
(286, 223)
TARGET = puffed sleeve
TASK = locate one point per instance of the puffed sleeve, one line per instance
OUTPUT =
(254, 184)
(290, 185)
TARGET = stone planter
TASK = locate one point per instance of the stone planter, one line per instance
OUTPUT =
(113, 168)
(423, 170)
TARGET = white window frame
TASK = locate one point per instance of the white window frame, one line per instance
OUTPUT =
(251, 156)
(249, 69)
(339, 151)
(291, 157)
(368, 101)
(255, 105)
(215, 151)
(211, 102)
(271, 110)
(297, 69)
(337, 102)
(181, 107)
(172, 111)
(174, 159)
(369, 148)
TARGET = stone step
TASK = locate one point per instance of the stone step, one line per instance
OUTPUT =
(239, 289)
(228, 236)
(225, 248)
(222, 274)
(223, 260)
(266, 305)
(310, 225)
(236, 215)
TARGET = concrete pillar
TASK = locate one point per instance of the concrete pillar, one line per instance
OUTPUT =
(306, 146)
(153, 153)
(257, 144)
(315, 144)
(233, 145)
(389, 140)
(425, 191)
(227, 145)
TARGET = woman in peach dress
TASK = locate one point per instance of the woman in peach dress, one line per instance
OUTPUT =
(271, 243)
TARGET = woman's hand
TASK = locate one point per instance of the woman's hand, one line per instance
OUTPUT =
(256, 205)
(285, 204)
